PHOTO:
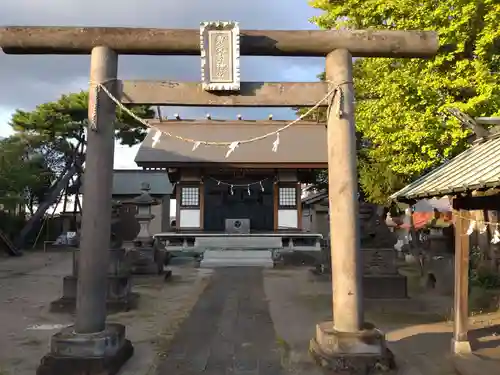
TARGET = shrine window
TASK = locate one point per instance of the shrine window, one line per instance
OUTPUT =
(190, 197)
(287, 197)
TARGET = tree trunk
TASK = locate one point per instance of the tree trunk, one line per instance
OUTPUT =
(44, 206)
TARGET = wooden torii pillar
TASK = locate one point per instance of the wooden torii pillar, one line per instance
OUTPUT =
(97, 348)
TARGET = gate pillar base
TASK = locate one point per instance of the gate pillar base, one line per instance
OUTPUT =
(358, 353)
(101, 353)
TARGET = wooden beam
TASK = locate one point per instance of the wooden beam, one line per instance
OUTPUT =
(252, 94)
(486, 202)
(299, 206)
(178, 207)
(460, 341)
(275, 205)
(144, 41)
(201, 192)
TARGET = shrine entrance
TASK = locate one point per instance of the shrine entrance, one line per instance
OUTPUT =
(93, 346)
(224, 204)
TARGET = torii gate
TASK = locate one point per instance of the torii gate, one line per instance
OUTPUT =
(99, 348)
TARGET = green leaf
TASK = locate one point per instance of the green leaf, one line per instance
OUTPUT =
(401, 116)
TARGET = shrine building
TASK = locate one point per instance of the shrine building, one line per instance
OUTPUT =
(253, 191)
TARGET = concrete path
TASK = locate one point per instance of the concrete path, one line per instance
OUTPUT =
(229, 330)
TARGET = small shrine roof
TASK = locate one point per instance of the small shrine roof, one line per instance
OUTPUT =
(477, 168)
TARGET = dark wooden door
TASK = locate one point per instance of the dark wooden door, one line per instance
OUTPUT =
(220, 205)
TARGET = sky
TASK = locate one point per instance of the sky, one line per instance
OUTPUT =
(30, 80)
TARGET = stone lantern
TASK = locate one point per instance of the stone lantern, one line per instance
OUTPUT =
(119, 287)
(146, 259)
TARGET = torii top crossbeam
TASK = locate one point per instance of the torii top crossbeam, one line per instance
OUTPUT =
(146, 41)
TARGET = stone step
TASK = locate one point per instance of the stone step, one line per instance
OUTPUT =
(238, 242)
(237, 263)
(251, 254)
(237, 258)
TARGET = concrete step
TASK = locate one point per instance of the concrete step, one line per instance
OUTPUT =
(251, 254)
(237, 258)
(238, 242)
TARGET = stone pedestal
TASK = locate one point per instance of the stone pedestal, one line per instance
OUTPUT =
(119, 295)
(360, 353)
(119, 285)
(101, 353)
(380, 276)
(145, 260)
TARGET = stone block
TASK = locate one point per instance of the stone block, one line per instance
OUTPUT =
(119, 287)
(378, 261)
(358, 353)
(385, 286)
(102, 353)
(380, 274)
(119, 295)
(146, 261)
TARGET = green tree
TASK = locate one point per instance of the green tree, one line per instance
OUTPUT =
(19, 173)
(401, 103)
(65, 120)
(55, 133)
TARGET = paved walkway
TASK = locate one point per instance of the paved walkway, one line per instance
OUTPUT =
(229, 330)
(246, 321)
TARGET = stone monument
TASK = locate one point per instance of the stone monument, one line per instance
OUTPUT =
(380, 276)
(145, 258)
(119, 287)
(378, 257)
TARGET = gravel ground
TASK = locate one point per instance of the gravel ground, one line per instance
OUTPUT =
(294, 299)
(416, 330)
(28, 284)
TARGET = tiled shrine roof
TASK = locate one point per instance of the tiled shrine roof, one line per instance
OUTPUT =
(477, 168)
(303, 143)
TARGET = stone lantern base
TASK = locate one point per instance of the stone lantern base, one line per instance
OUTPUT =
(146, 259)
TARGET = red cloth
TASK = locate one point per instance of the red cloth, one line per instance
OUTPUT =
(422, 219)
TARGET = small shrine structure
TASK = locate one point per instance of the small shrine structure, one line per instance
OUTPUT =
(471, 180)
(252, 197)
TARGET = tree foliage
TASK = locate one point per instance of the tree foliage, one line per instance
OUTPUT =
(20, 172)
(51, 138)
(401, 103)
(67, 118)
